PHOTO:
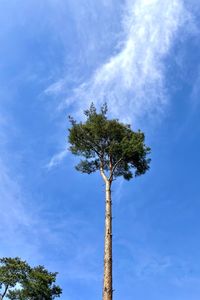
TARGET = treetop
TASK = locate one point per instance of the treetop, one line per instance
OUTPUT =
(108, 145)
(19, 281)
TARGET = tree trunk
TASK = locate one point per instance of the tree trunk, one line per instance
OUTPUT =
(107, 284)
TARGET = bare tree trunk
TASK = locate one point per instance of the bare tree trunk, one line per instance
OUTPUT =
(107, 284)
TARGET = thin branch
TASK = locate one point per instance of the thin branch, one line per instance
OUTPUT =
(6, 289)
(89, 144)
(113, 168)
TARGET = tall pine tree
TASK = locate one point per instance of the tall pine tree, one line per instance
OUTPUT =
(113, 149)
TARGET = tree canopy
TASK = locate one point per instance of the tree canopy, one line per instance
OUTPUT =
(108, 145)
(19, 281)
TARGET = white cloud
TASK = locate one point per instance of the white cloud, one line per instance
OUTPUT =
(56, 87)
(133, 81)
(57, 158)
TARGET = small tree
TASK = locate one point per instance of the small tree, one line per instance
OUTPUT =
(21, 282)
(12, 271)
(112, 148)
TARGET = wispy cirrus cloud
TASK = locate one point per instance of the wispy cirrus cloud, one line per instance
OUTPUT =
(133, 80)
(57, 158)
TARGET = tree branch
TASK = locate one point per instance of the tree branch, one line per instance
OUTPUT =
(89, 144)
(6, 289)
(113, 168)
(102, 173)
(89, 141)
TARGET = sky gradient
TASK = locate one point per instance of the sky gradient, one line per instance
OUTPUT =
(143, 58)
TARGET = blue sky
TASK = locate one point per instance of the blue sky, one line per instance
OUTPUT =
(143, 58)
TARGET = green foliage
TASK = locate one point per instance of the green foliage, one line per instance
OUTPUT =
(12, 271)
(108, 145)
(21, 282)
